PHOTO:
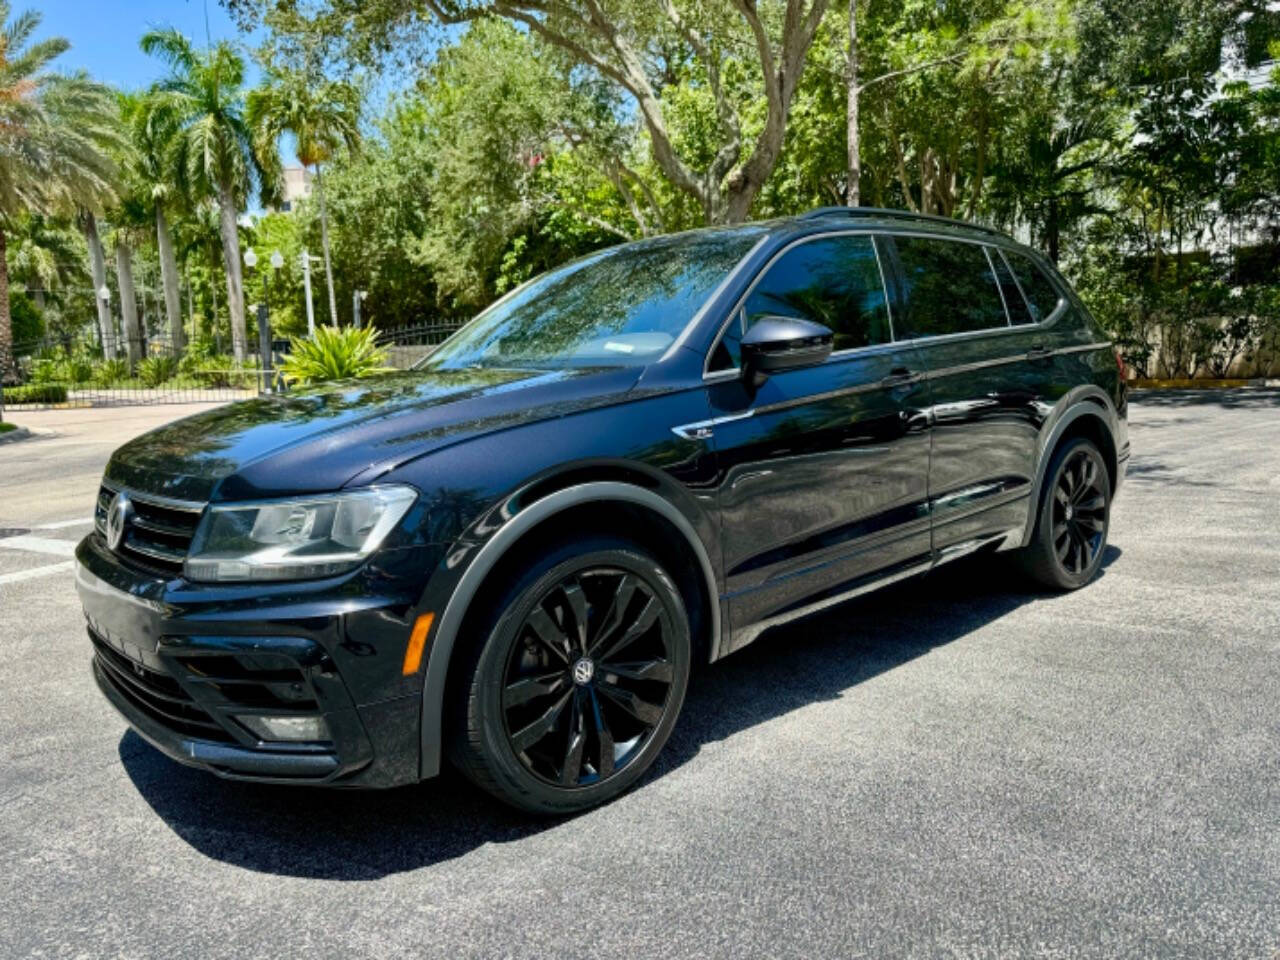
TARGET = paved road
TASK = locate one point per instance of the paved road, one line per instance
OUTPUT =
(957, 767)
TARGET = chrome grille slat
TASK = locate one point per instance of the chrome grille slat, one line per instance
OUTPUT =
(159, 531)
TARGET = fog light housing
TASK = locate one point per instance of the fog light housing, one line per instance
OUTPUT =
(291, 729)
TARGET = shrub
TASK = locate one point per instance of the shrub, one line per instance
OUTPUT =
(155, 370)
(79, 370)
(36, 393)
(111, 371)
(334, 354)
(45, 371)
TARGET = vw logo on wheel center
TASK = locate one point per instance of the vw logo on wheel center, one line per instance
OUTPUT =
(117, 518)
(583, 671)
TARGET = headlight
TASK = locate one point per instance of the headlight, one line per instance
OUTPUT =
(294, 539)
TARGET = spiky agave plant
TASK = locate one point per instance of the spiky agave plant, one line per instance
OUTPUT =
(334, 354)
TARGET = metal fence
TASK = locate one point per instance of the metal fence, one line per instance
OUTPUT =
(84, 371)
(405, 346)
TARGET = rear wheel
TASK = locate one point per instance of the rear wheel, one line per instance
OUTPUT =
(575, 680)
(1075, 513)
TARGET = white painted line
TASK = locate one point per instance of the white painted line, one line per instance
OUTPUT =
(59, 548)
(36, 572)
(62, 524)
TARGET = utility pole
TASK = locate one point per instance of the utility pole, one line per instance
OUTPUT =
(306, 286)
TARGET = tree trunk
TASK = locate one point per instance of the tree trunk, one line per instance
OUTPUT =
(853, 181)
(128, 304)
(169, 279)
(8, 368)
(231, 261)
(324, 242)
(98, 265)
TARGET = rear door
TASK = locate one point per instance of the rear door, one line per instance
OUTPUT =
(991, 385)
(823, 470)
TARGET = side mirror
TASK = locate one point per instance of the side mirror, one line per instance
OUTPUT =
(774, 344)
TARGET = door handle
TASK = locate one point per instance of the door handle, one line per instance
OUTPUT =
(898, 376)
(1039, 352)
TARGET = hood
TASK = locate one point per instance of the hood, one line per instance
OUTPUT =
(318, 440)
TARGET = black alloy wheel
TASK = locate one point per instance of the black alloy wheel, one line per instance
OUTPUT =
(1070, 536)
(577, 683)
(589, 680)
(1079, 512)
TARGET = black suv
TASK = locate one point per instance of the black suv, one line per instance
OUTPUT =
(514, 556)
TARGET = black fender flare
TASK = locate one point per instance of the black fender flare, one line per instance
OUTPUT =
(1084, 401)
(451, 619)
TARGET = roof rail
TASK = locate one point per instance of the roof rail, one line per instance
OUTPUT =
(888, 214)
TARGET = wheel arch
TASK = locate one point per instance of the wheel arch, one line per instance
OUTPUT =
(584, 499)
(1089, 413)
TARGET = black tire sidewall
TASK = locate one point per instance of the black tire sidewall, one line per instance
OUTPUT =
(1063, 577)
(516, 783)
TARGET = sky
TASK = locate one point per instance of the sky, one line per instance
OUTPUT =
(104, 33)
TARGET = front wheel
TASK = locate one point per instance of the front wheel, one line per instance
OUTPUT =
(575, 680)
(1070, 535)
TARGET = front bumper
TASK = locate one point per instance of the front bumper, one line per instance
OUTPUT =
(182, 665)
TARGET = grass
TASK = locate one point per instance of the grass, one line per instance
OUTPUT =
(5, 426)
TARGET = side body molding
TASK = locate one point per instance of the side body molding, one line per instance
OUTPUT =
(1085, 401)
(446, 634)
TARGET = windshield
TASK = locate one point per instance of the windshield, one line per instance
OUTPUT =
(620, 306)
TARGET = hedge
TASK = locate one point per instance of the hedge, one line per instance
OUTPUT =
(36, 393)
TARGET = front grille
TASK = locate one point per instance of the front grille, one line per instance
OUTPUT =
(156, 694)
(158, 532)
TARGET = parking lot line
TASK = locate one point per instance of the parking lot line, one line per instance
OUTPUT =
(36, 572)
(59, 548)
(62, 524)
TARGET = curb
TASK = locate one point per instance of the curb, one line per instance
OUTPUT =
(12, 436)
(1201, 384)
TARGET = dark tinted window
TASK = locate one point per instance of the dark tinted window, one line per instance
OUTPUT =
(623, 305)
(1017, 306)
(1042, 295)
(834, 281)
(949, 287)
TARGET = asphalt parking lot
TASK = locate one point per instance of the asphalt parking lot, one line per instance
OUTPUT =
(958, 767)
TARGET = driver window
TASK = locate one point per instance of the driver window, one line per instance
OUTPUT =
(834, 281)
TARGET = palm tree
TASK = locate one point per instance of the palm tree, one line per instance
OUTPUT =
(323, 116)
(55, 134)
(211, 151)
(1044, 184)
(43, 252)
(151, 130)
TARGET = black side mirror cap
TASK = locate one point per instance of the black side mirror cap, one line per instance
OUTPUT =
(774, 344)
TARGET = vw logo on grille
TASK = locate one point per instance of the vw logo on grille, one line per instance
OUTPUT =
(583, 671)
(118, 519)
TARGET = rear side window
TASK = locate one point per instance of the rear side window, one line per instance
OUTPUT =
(1042, 296)
(834, 281)
(1019, 312)
(948, 286)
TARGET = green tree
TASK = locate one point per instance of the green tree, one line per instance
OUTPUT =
(323, 117)
(211, 150)
(151, 131)
(748, 58)
(55, 130)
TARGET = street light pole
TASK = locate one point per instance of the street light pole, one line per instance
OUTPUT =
(306, 287)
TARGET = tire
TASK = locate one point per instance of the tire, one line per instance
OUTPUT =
(571, 686)
(1073, 518)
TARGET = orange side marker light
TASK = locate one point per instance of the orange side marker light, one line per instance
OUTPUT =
(417, 643)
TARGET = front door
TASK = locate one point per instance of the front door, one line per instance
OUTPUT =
(823, 470)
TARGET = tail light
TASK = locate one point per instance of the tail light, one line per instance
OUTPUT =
(1120, 363)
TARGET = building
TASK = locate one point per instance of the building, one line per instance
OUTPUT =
(297, 185)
